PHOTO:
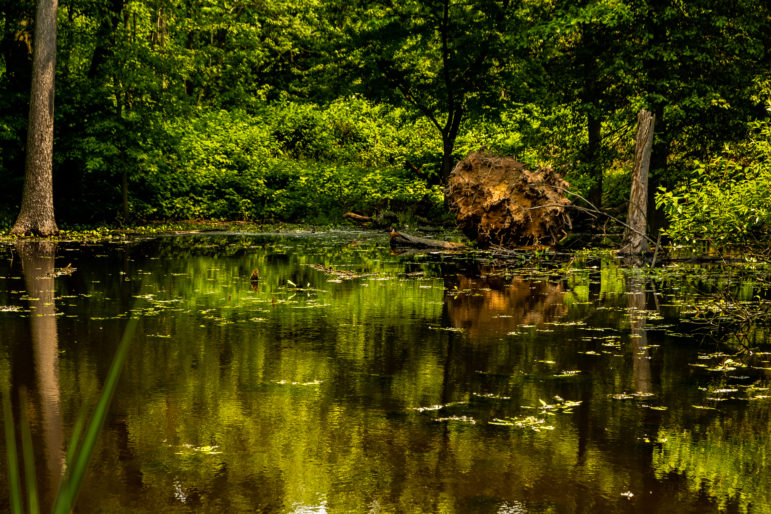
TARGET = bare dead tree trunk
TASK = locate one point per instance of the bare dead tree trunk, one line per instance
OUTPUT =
(37, 202)
(634, 235)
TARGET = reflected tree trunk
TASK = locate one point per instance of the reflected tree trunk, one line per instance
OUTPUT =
(37, 260)
(638, 337)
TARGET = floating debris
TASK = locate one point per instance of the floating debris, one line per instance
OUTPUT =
(189, 449)
(491, 396)
(447, 329)
(339, 274)
(462, 419)
(568, 373)
(286, 382)
(561, 405)
(65, 271)
(435, 407)
(530, 422)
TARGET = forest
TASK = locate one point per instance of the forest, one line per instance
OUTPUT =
(301, 110)
(210, 315)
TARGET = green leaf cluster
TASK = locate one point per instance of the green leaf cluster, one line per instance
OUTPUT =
(288, 162)
(726, 198)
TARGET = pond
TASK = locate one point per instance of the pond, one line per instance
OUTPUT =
(349, 379)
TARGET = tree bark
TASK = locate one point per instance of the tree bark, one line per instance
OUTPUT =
(447, 162)
(37, 203)
(449, 136)
(656, 218)
(634, 235)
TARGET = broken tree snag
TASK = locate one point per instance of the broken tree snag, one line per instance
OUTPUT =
(497, 201)
(634, 241)
(402, 240)
(357, 218)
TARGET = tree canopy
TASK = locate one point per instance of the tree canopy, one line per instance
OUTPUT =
(232, 109)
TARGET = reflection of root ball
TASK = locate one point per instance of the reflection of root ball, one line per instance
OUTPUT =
(255, 277)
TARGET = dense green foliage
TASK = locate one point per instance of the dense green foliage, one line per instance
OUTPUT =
(727, 198)
(287, 161)
(302, 109)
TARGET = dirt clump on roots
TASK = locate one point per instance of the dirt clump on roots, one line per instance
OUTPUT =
(498, 201)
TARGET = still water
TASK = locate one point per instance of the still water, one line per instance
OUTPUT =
(349, 379)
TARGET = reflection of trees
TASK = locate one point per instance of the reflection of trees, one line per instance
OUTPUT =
(638, 335)
(230, 404)
(38, 264)
(726, 460)
(495, 305)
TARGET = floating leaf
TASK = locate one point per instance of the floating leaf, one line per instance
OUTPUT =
(529, 422)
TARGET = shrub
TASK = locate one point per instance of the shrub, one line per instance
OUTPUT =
(726, 200)
(289, 162)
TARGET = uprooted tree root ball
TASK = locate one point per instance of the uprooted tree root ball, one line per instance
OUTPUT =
(497, 201)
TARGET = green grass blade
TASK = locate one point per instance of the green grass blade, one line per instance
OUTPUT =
(14, 483)
(77, 470)
(29, 456)
(72, 449)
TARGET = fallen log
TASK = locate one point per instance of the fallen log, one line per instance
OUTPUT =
(402, 240)
(357, 218)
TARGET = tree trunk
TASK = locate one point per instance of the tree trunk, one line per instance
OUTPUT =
(104, 35)
(590, 97)
(594, 127)
(16, 55)
(449, 135)
(37, 203)
(634, 235)
(656, 218)
(124, 195)
(15, 50)
(447, 163)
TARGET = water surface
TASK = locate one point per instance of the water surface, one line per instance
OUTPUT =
(352, 380)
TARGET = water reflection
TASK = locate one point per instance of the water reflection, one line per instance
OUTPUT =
(490, 305)
(638, 335)
(37, 259)
(342, 383)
